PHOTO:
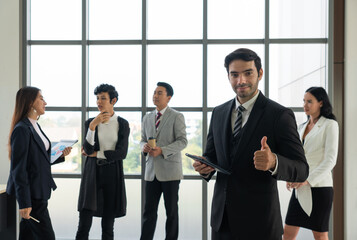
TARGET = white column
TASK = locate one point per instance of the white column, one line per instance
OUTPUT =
(9, 74)
(350, 120)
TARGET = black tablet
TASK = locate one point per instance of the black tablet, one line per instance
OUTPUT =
(216, 167)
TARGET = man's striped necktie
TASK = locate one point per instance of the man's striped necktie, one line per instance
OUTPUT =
(238, 122)
(157, 121)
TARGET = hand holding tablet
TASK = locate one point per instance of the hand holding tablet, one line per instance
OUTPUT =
(208, 163)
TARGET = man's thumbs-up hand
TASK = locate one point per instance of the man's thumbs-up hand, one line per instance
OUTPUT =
(264, 159)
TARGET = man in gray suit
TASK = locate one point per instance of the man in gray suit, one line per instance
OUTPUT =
(163, 162)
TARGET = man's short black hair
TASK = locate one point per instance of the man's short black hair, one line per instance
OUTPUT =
(107, 88)
(169, 89)
(244, 54)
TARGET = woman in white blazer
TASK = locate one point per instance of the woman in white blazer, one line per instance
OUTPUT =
(311, 201)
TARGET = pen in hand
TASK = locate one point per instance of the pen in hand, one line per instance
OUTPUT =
(35, 219)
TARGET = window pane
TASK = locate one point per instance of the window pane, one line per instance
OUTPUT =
(210, 189)
(64, 126)
(56, 70)
(219, 89)
(63, 208)
(284, 197)
(300, 117)
(293, 69)
(181, 67)
(194, 136)
(64, 214)
(236, 19)
(56, 20)
(113, 19)
(174, 19)
(119, 66)
(298, 19)
(190, 212)
(131, 164)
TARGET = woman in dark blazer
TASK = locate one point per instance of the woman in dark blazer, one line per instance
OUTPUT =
(102, 192)
(30, 177)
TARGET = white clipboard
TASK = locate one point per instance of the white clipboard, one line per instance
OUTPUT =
(56, 150)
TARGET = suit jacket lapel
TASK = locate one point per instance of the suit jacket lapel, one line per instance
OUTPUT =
(49, 148)
(38, 139)
(163, 120)
(227, 120)
(253, 121)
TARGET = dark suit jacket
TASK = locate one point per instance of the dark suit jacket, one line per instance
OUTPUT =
(251, 196)
(30, 172)
(89, 196)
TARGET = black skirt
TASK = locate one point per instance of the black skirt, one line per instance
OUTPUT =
(320, 215)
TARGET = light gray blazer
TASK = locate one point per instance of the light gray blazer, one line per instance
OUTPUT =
(171, 137)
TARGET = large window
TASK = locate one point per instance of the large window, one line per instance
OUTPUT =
(74, 45)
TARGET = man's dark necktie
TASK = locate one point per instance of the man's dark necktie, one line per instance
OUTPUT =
(238, 122)
(157, 121)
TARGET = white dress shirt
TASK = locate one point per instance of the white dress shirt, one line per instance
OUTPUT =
(245, 115)
(37, 129)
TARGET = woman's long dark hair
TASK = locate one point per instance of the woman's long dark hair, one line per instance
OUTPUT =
(321, 95)
(25, 99)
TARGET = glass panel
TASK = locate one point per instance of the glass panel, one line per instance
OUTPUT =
(174, 19)
(209, 115)
(181, 67)
(300, 117)
(298, 19)
(64, 214)
(219, 89)
(56, 70)
(284, 197)
(132, 163)
(190, 212)
(194, 136)
(293, 69)
(236, 19)
(113, 19)
(210, 190)
(56, 20)
(63, 208)
(119, 66)
(64, 126)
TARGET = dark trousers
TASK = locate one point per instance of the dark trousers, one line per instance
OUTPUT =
(105, 184)
(224, 232)
(153, 192)
(32, 230)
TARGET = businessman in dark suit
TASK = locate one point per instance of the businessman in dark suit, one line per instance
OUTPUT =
(256, 139)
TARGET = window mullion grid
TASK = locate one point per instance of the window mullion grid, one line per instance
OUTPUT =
(204, 117)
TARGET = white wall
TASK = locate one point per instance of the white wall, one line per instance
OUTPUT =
(350, 120)
(9, 74)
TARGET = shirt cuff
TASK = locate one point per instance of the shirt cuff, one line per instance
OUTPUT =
(90, 137)
(273, 173)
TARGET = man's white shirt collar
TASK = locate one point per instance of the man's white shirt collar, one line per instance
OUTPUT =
(247, 105)
(162, 111)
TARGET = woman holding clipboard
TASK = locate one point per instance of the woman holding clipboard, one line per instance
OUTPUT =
(30, 177)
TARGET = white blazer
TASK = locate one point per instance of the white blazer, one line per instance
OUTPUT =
(321, 148)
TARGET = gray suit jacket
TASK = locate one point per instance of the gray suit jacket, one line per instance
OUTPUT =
(171, 137)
